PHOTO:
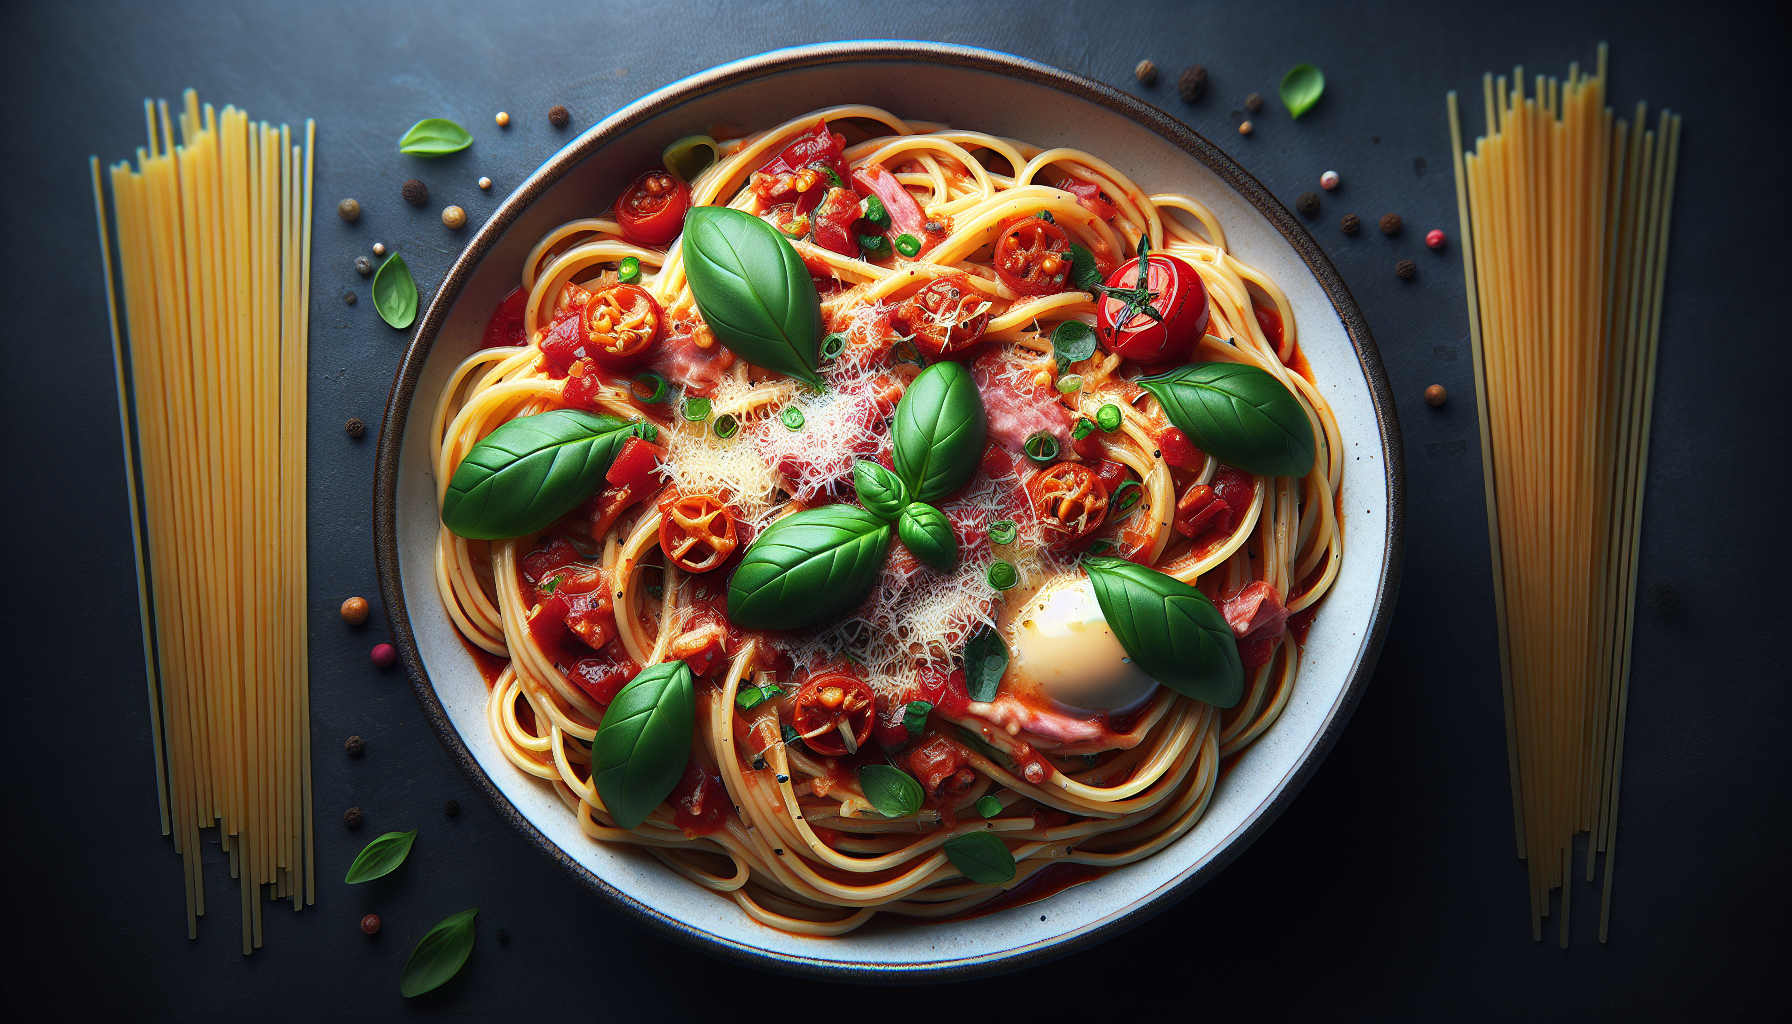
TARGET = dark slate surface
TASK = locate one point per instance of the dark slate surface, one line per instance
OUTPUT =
(1388, 889)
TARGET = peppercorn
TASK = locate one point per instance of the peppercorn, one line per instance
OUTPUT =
(1435, 238)
(1390, 223)
(1405, 269)
(485, 183)
(355, 745)
(454, 218)
(1350, 223)
(1307, 204)
(355, 427)
(1245, 128)
(348, 298)
(379, 248)
(1253, 102)
(503, 936)
(351, 818)
(354, 611)
(1193, 83)
(1145, 72)
(451, 808)
(1328, 180)
(370, 923)
(1435, 395)
(363, 266)
(384, 655)
(348, 209)
(415, 192)
(559, 116)
(503, 119)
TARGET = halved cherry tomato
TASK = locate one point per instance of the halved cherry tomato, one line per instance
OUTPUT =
(798, 174)
(1070, 499)
(621, 324)
(833, 221)
(946, 318)
(636, 466)
(1033, 256)
(697, 531)
(831, 706)
(651, 210)
(1173, 289)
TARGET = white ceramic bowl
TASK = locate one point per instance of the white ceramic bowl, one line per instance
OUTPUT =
(1007, 96)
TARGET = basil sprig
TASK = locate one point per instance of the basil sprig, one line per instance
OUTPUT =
(381, 857)
(981, 857)
(439, 954)
(985, 662)
(939, 431)
(753, 290)
(1170, 630)
(395, 292)
(644, 741)
(1239, 414)
(808, 566)
(533, 470)
(434, 136)
(926, 532)
(894, 792)
(881, 492)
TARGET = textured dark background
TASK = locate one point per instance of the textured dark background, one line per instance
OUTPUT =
(1389, 889)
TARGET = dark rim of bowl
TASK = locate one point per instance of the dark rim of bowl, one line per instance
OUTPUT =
(404, 384)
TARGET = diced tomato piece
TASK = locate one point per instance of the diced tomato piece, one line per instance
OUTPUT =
(889, 732)
(1236, 488)
(794, 175)
(833, 221)
(636, 466)
(603, 677)
(602, 509)
(1257, 650)
(506, 325)
(1090, 196)
(699, 801)
(1110, 473)
(538, 565)
(906, 217)
(944, 690)
(563, 343)
(1178, 451)
(940, 765)
(1200, 509)
(591, 616)
(997, 462)
(702, 648)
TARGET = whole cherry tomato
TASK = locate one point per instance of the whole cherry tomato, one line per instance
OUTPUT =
(621, 324)
(697, 531)
(651, 210)
(1070, 499)
(946, 318)
(829, 707)
(1033, 256)
(1173, 289)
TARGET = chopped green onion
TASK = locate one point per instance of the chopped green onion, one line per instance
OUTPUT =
(630, 270)
(1070, 383)
(552, 583)
(1042, 447)
(874, 244)
(875, 212)
(1125, 497)
(1108, 417)
(989, 806)
(750, 696)
(696, 409)
(657, 388)
(833, 177)
(833, 345)
(914, 717)
(1084, 427)
(726, 426)
(1002, 575)
(1046, 215)
(1003, 531)
(792, 417)
(908, 245)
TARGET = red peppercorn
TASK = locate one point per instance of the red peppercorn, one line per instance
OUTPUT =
(1435, 238)
(385, 655)
(370, 923)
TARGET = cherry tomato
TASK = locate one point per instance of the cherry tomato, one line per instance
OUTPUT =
(1070, 499)
(1173, 289)
(1033, 256)
(825, 704)
(697, 531)
(833, 221)
(621, 323)
(651, 210)
(946, 318)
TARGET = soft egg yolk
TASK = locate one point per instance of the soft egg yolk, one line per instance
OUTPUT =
(1062, 641)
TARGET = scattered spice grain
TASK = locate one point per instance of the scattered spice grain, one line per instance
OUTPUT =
(355, 745)
(1254, 102)
(415, 192)
(379, 248)
(371, 923)
(1435, 238)
(503, 119)
(355, 427)
(363, 266)
(1390, 223)
(1307, 204)
(454, 218)
(348, 209)
(1350, 224)
(1435, 395)
(485, 183)
(354, 610)
(1245, 128)
(1193, 83)
(559, 116)
(348, 298)
(351, 818)
(1405, 269)
(384, 655)
(1145, 72)
(451, 808)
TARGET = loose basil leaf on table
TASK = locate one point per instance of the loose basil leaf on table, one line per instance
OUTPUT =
(395, 292)
(381, 857)
(1301, 88)
(753, 290)
(880, 491)
(644, 741)
(927, 534)
(439, 954)
(1072, 342)
(894, 792)
(1239, 414)
(981, 857)
(531, 471)
(939, 431)
(808, 566)
(985, 662)
(1169, 629)
(434, 136)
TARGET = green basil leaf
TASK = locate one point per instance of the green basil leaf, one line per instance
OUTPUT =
(1084, 274)
(751, 696)
(808, 566)
(1072, 342)
(894, 792)
(1169, 629)
(381, 857)
(981, 857)
(644, 741)
(989, 806)
(914, 717)
(753, 290)
(439, 954)
(939, 431)
(1239, 414)
(434, 136)
(1301, 88)
(531, 471)
(395, 292)
(880, 491)
(928, 535)
(985, 662)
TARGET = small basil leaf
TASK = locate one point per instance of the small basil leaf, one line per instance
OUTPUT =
(1301, 88)
(1170, 630)
(928, 535)
(880, 491)
(939, 431)
(1072, 342)
(981, 857)
(914, 717)
(381, 857)
(894, 792)
(531, 471)
(985, 662)
(644, 741)
(434, 136)
(1084, 274)
(1239, 414)
(808, 566)
(753, 290)
(395, 292)
(751, 696)
(439, 954)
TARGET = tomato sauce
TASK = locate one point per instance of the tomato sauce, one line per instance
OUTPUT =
(1047, 881)
(490, 665)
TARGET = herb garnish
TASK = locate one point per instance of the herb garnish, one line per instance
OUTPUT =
(434, 136)
(381, 857)
(439, 954)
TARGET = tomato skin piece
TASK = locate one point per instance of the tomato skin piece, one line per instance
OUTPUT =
(1236, 488)
(811, 710)
(1199, 509)
(651, 210)
(1177, 293)
(1271, 322)
(602, 678)
(1111, 474)
(1032, 256)
(947, 317)
(636, 466)
(1089, 196)
(699, 801)
(1071, 501)
(832, 222)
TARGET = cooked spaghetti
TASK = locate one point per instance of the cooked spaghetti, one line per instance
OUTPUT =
(926, 244)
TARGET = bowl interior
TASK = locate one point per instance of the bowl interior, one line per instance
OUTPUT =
(1004, 96)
